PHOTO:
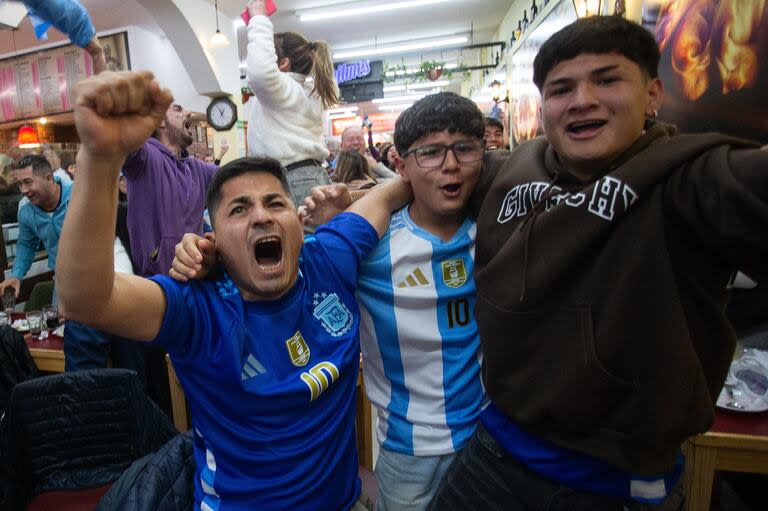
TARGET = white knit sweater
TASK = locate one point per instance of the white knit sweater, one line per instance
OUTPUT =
(286, 119)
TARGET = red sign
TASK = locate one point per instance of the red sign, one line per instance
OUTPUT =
(342, 123)
(384, 121)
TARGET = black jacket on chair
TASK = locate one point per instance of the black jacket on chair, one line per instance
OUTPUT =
(163, 481)
(16, 364)
(76, 430)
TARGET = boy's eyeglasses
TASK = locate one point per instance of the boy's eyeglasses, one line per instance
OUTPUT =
(433, 156)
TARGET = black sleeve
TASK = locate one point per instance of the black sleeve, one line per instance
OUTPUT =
(722, 196)
(492, 163)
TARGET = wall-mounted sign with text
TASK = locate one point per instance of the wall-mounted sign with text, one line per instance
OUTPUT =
(40, 82)
(363, 71)
(354, 71)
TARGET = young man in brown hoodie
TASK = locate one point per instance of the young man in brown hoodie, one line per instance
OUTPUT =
(603, 253)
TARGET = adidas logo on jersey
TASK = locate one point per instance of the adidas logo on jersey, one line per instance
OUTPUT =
(415, 279)
(252, 367)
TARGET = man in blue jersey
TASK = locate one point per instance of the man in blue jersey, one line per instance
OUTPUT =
(267, 352)
(416, 294)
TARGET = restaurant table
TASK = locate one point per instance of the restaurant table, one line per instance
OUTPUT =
(48, 354)
(737, 442)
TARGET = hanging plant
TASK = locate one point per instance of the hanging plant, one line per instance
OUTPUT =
(246, 93)
(433, 69)
(427, 70)
(391, 72)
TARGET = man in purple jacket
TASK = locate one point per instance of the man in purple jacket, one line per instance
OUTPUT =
(166, 198)
(166, 193)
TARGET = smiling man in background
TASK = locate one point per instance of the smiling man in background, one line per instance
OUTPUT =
(494, 134)
(41, 214)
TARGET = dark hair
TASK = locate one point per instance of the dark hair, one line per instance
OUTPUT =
(598, 34)
(40, 166)
(240, 167)
(67, 158)
(310, 58)
(492, 121)
(351, 165)
(383, 157)
(435, 113)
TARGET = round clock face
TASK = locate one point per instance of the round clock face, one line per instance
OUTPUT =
(222, 114)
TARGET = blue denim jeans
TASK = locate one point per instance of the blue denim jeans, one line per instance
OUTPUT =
(407, 483)
(302, 179)
(483, 477)
(86, 347)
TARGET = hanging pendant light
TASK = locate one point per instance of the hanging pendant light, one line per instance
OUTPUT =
(218, 40)
(27, 138)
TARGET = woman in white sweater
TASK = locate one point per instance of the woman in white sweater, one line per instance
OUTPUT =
(286, 118)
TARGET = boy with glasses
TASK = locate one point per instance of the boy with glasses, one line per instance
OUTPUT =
(421, 350)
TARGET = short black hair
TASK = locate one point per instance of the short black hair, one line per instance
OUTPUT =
(598, 34)
(435, 113)
(240, 167)
(492, 121)
(39, 164)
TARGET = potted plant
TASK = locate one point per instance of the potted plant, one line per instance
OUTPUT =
(432, 69)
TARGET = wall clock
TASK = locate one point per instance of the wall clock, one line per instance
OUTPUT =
(221, 114)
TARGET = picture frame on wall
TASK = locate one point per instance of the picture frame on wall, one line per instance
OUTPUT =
(714, 65)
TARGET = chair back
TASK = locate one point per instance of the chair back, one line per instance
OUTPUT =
(79, 430)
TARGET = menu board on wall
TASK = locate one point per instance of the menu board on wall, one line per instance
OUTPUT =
(41, 83)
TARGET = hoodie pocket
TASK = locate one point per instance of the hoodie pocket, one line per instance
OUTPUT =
(541, 367)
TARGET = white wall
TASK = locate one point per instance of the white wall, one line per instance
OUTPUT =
(201, 17)
(156, 53)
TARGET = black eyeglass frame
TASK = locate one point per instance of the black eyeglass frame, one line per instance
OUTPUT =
(445, 153)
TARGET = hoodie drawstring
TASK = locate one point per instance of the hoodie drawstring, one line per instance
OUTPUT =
(528, 221)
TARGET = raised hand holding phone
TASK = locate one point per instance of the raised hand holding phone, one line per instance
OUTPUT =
(258, 7)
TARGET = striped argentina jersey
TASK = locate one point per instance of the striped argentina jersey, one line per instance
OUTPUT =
(421, 348)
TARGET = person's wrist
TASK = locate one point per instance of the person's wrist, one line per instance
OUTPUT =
(89, 158)
(94, 47)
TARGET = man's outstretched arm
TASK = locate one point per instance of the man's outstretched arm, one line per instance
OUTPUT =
(114, 115)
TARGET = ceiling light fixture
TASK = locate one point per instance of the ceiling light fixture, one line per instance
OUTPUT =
(430, 85)
(401, 48)
(342, 109)
(316, 14)
(340, 115)
(218, 40)
(27, 138)
(395, 99)
(401, 106)
(394, 88)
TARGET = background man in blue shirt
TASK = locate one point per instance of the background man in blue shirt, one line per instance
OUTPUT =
(41, 215)
(267, 352)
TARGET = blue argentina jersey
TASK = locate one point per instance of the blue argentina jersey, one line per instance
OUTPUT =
(421, 349)
(271, 385)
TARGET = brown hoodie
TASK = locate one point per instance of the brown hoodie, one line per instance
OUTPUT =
(600, 304)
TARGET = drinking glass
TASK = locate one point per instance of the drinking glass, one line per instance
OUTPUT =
(9, 300)
(35, 322)
(51, 317)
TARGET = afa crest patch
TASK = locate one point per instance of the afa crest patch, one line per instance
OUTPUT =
(332, 314)
(298, 350)
(454, 272)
